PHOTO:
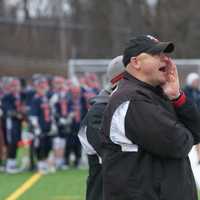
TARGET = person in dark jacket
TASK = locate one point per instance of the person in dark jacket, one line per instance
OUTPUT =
(59, 102)
(147, 132)
(89, 133)
(41, 120)
(13, 114)
(192, 91)
(1, 138)
(76, 109)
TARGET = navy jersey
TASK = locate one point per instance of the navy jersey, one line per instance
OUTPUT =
(61, 112)
(86, 94)
(61, 105)
(29, 94)
(193, 94)
(40, 108)
(76, 108)
(79, 108)
(12, 106)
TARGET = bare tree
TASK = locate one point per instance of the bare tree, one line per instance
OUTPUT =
(179, 21)
(26, 9)
(2, 11)
(97, 28)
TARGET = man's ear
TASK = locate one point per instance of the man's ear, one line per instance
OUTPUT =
(135, 63)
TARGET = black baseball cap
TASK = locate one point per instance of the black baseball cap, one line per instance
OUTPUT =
(146, 44)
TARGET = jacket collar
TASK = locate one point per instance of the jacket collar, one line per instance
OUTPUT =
(132, 79)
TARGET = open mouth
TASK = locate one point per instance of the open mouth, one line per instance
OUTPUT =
(163, 69)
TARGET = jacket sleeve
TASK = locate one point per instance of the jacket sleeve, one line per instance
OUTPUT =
(157, 130)
(189, 114)
(94, 124)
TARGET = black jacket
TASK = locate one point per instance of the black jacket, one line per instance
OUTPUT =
(89, 135)
(146, 143)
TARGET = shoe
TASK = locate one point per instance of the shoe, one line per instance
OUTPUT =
(12, 170)
(43, 171)
(11, 167)
(52, 169)
(64, 167)
(42, 167)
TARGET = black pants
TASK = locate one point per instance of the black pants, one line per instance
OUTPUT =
(94, 181)
(44, 147)
(1, 141)
(12, 150)
(32, 156)
(73, 145)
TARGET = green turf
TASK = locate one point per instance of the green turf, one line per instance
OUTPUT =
(65, 185)
(9, 183)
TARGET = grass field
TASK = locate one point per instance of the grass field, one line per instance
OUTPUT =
(65, 185)
(62, 185)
